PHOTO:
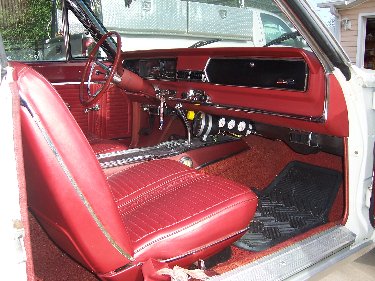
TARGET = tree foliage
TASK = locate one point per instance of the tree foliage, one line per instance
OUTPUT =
(27, 24)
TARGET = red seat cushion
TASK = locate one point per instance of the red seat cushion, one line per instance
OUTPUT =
(170, 209)
(102, 146)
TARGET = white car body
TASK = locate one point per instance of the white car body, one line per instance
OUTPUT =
(359, 94)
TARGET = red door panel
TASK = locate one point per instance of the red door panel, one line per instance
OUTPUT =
(69, 93)
(114, 118)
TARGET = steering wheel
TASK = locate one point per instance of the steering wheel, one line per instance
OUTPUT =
(85, 96)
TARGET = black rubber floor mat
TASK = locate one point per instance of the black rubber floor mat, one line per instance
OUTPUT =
(297, 200)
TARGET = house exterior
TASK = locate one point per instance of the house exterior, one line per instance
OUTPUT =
(355, 29)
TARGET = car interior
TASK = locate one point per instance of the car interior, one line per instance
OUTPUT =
(207, 158)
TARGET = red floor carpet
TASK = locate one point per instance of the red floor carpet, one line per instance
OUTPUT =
(255, 168)
(50, 263)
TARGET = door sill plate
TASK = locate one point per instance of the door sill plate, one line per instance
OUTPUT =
(293, 259)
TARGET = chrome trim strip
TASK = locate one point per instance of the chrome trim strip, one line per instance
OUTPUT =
(66, 33)
(307, 73)
(74, 83)
(326, 97)
(315, 119)
(209, 125)
(200, 133)
(297, 257)
(127, 267)
(192, 252)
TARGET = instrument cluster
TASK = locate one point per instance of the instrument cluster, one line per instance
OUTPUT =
(155, 69)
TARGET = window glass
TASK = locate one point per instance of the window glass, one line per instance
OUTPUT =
(32, 30)
(274, 28)
(229, 3)
(80, 41)
(164, 24)
(25, 26)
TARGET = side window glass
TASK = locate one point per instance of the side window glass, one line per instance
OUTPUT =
(32, 30)
(54, 47)
(273, 27)
(80, 40)
(81, 43)
(26, 27)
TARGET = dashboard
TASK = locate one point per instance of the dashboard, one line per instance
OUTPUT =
(269, 73)
(280, 85)
(153, 68)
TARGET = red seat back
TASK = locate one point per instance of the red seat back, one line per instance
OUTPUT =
(67, 190)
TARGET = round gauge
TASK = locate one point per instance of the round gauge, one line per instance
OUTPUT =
(231, 124)
(187, 161)
(221, 122)
(249, 130)
(241, 126)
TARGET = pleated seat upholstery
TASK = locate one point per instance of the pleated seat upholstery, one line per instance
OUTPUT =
(201, 204)
(158, 210)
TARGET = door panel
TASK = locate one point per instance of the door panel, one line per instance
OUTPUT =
(60, 72)
(114, 118)
(69, 93)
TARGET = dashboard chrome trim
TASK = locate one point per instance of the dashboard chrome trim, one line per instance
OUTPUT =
(315, 119)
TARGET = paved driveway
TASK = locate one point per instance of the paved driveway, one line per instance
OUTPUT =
(359, 269)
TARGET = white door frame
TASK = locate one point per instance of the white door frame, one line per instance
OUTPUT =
(362, 20)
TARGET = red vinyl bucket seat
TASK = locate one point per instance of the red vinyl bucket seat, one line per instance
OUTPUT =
(159, 210)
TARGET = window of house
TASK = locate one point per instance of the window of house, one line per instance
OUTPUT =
(369, 56)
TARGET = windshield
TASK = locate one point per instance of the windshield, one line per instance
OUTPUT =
(165, 24)
(36, 32)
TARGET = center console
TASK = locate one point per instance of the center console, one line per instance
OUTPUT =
(196, 154)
